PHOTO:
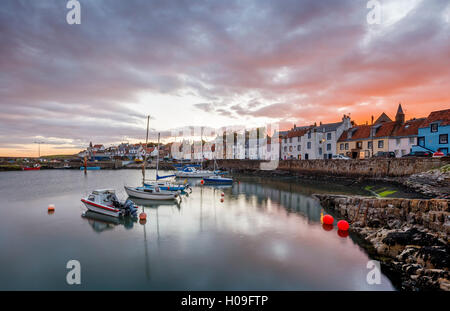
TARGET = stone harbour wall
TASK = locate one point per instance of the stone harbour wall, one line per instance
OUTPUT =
(409, 236)
(375, 167)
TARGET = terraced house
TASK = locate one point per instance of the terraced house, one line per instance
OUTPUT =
(313, 142)
(385, 135)
(433, 133)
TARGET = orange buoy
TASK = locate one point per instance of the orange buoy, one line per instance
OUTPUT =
(142, 221)
(328, 220)
(327, 227)
(142, 216)
(51, 208)
(342, 233)
(343, 225)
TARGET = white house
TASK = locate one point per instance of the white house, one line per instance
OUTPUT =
(313, 142)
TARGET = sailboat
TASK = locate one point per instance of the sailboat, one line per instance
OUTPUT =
(154, 193)
(164, 185)
(217, 179)
(192, 172)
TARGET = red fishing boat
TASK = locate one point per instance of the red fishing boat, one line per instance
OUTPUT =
(32, 168)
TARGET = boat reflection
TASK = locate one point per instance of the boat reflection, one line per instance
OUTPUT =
(100, 222)
(154, 203)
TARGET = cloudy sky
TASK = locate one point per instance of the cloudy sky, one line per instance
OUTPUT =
(211, 63)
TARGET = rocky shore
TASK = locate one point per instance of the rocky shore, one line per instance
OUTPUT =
(408, 236)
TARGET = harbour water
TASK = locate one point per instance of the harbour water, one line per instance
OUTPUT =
(265, 235)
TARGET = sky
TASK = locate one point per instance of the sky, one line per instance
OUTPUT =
(211, 63)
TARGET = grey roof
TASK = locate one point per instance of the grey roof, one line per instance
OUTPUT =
(330, 127)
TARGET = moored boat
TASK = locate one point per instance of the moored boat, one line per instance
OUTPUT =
(105, 202)
(151, 193)
(36, 167)
(219, 180)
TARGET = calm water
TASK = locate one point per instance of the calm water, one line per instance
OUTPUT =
(266, 235)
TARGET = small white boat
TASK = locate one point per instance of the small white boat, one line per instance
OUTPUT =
(192, 172)
(105, 202)
(151, 193)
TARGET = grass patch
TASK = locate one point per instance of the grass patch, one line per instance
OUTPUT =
(386, 193)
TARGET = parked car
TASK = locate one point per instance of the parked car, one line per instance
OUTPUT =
(385, 154)
(340, 157)
(438, 154)
(419, 154)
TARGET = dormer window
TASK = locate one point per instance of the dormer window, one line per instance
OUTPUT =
(434, 127)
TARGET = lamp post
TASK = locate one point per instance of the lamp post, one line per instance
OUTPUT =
(39, 147)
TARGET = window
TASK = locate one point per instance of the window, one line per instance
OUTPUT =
(309, 135)
(298, 138)
(290, 140)
(366, 154)
(346, 146)
(412, 141)
(443, 139)
(328, 136)
(380, 143)
(320, 151)
(285, 149)
(309, 145)
(299, 148)
(290, 148)
(341, 146)
(434, 127)
(359, 145)
(421, 141)
(369, 145)
(328, 147)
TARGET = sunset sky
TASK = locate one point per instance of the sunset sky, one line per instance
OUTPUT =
(211, 63)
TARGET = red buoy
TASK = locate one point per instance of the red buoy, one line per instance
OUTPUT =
(142, 216)
(328, 220)
(343, 225)
(221, 200)
(222, 194)
(202, 182)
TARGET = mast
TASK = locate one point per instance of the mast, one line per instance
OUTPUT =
(145, 152)
(157, 157)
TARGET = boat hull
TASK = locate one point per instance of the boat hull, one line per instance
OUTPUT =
(31, 168)
(166, 187)
(218, 181)
(150, 195)
(101, 209)
(91, 168)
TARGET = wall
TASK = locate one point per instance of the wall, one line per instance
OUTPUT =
(349, 168)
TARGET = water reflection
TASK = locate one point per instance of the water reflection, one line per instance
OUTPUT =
(100, 222)
(295, 202)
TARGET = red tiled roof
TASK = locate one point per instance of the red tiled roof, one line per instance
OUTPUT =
(359, 132)
(409, 128)
(297, 133)
(384, 129)
(435, 116)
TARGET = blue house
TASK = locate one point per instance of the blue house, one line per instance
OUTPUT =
(434, 132)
